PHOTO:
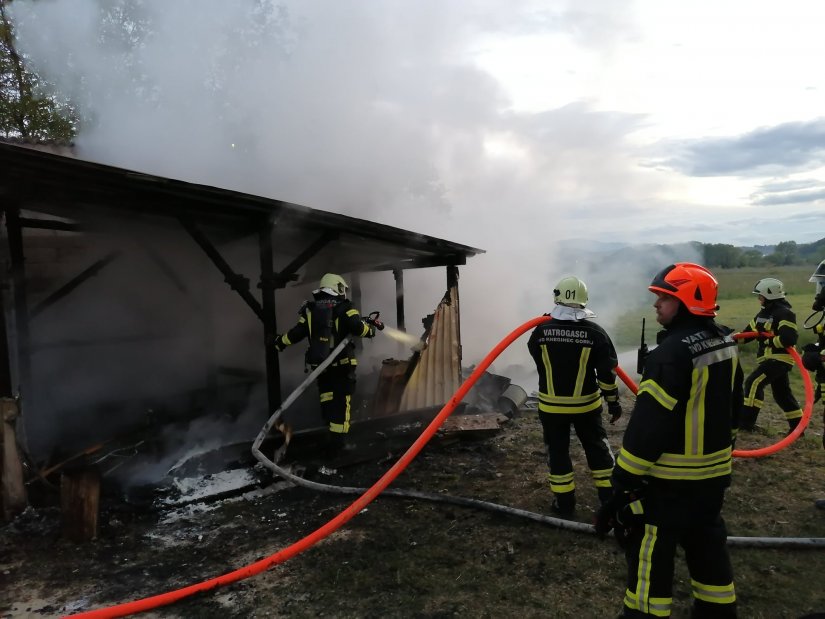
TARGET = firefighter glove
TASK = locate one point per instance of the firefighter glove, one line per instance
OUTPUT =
(606, 517)
(279, 343)
(615, 411)
(618, 515)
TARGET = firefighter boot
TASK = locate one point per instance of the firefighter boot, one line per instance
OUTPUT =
(820, 504)
(332, 446)
(747, 419)
(564, 504)
(792, 423)
(605, 494)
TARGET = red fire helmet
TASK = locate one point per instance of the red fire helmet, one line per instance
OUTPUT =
(692, 284)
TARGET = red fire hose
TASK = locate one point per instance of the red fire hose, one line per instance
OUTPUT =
(338, 521)
(806, 411)
(170, 597)
(786, 440)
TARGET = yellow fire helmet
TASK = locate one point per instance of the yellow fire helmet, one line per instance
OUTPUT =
(334, 284)
(570, 291)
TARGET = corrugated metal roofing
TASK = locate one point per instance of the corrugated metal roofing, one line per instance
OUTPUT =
(438, 373)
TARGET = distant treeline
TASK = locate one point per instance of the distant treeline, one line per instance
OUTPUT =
(785, 253)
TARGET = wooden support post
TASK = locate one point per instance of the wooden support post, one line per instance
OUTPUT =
(398, 274)
(400, 323)
(268, 316)
(355, 296)
(13, 488)
(80, 503)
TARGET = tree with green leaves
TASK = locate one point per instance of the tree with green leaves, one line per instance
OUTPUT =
(29, 109)
(785, 253)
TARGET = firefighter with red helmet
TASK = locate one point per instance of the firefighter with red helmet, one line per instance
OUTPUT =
(774, 363)
(325, 321)
(576, 362)
(675, 461)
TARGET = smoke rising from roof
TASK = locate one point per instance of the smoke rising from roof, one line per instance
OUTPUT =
(377, 110)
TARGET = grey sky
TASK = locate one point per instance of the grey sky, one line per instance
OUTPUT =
(506, 126)
(782, 149)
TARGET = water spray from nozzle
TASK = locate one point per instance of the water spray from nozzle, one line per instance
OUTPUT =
(393, 333)
(401, 336)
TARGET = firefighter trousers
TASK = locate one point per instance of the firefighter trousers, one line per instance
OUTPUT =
(593, 438)
(336, 385)
(694, 522)
(776, 374)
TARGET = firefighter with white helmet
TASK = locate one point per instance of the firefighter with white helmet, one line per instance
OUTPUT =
(774, 361)
(576, 362)
(325, 321)
(674, 465)
(813, 355)
(818, 278)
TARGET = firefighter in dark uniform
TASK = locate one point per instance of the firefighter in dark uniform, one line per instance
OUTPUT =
(325, 321)
(774, 362)
(675, 461)
(575, 359)
(813, 356)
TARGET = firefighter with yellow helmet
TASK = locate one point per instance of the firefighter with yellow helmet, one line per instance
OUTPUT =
(576, 362)
(774, 363)
(326, 320)
(675, 461)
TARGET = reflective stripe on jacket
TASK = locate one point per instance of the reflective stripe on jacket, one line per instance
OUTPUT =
(776, 317)
(686, 412)
(346, 320)
(575, 360)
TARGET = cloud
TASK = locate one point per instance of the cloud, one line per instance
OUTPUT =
(376, 110)
(785, 148)
(791, 197)
(789, 185)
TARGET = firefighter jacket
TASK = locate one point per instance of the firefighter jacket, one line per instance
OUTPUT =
(775, 317)
(325, 321)
(575, 360)
(680, 435)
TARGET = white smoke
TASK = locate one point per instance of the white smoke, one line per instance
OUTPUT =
(382, 110)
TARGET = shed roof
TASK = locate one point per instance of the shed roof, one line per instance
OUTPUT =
(80, 190)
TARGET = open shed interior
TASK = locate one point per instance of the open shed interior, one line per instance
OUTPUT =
(138, 305)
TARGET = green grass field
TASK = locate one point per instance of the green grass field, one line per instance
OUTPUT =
(737, 306)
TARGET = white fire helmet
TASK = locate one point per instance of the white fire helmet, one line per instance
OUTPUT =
(770, 288)
(818, 277)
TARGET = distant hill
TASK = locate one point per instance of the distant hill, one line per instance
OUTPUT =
(712, 255)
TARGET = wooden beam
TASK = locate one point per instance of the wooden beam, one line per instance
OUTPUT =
(80, 503)
(13, 488)
(236, 281)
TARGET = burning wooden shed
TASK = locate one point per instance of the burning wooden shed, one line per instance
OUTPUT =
(119, 283)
